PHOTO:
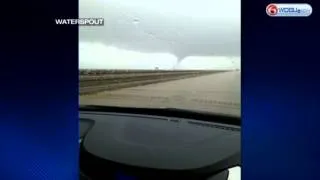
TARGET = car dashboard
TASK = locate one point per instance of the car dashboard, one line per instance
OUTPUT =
(118, 145)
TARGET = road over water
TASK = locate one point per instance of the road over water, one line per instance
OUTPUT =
(219, 93)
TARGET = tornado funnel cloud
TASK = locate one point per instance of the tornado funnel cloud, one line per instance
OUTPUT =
(179, 60)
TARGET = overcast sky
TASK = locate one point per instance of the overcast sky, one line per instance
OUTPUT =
(144, 34)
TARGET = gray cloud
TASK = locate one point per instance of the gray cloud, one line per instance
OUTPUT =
(132, 27)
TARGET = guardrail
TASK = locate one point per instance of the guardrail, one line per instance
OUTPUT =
(103, 80)
(94, 72)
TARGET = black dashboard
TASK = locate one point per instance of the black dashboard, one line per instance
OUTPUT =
(118, 145)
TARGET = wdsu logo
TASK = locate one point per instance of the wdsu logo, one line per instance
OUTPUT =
(289, 10)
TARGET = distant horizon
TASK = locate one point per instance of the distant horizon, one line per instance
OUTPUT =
(156, 69)
(83, 69)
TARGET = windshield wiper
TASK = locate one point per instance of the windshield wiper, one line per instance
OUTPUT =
(195, 111)
(164, 111)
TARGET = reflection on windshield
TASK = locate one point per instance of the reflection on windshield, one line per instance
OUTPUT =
(162, 54)
(234, 173)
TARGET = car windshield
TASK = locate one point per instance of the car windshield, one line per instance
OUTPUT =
(161, 54)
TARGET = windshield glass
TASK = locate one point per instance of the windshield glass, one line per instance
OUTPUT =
(161, 54)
